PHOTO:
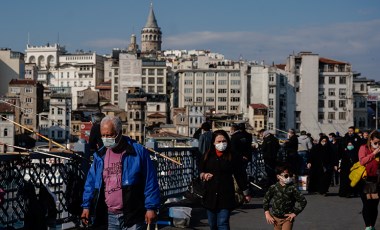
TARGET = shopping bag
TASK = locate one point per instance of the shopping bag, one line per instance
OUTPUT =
(357, 173)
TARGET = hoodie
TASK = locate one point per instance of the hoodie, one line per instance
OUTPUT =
(304, 143)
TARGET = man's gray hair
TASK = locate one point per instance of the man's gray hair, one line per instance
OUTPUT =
(116, 122)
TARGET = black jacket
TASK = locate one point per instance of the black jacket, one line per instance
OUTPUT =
(241, 144)
(270, 147)
(219, 191)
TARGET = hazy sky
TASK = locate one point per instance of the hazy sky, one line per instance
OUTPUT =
(269, 30)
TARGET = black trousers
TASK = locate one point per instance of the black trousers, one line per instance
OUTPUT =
(370, 210)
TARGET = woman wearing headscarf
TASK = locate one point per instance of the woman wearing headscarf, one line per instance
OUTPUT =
(321, 164)
(218, 168)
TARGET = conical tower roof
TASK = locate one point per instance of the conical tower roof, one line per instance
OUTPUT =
(151, 22)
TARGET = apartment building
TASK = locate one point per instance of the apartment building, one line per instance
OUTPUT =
(7, 129)
(362, 119)
(324, 97)
(58, 68)
(30, 96)
(12, 66)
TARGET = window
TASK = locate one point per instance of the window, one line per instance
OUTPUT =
(137, 127)
(222, 82)
(143, 80)
(188, 82)
(28, 110)
(342, 103)
(321, 103)
(150, 89)
(28, 121)
(199, 90)
(158, 108)
(222, 99)
(342, 92)
(208, 82)
(331, 92)
(28, 90)
(143, 71)
(209, 99)
(235, 82)
(235, 99)
(52, 110)
(342, 80)
(199, 99)
(150, 71)
(160, 72)
(188, 90)
(222, 90)
(331, 103)
(137, 115)
(331, 80)
(59, 134)
(331, 116)
(5, 132)
(235, 90)
(160, 80)
(321, 116)
(210, 91)
(270, 114)
(321, 80)
(151, 80)
(160, 89)
(28, 100)
(222, 107)
(271, 90)
(234, 107)
(270, 102)
(342, 115)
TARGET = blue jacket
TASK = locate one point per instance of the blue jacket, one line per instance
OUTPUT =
(140, 189)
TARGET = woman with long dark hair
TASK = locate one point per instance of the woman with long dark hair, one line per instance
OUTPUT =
(218, 167)
(369, 194)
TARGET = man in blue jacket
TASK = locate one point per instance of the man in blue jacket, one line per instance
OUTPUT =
(121, 189)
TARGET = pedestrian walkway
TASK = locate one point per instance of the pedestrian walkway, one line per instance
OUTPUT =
(321, 213)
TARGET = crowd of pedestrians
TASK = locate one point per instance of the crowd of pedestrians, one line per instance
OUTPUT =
(122, 182)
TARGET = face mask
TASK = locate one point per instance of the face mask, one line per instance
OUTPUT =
(109, 142)
(221, 146)
(350, 147)
(374, 146)
(330, 139)
(323, 143)
(286, 180)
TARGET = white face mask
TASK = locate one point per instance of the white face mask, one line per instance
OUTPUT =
(287, 180)
(374, 146)
(221, 146)
(109, 142)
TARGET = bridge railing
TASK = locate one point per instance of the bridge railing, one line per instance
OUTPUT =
(52, 172)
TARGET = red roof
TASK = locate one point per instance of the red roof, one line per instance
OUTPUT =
(258, 106)
(281, 66)
(6, 108)
(156, 115)
(22, 82)
(330, 61)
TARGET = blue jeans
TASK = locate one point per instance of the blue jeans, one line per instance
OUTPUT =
(116, 222)
(219, 219)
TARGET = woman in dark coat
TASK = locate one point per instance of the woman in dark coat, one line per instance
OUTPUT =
(321, 164)
(217, 170)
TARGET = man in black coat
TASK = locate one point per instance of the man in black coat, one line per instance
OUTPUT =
(241, 143)
(95, 139)
(291, 148)
(270, 148)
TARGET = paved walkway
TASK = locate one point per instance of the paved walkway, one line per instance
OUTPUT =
(331, 212)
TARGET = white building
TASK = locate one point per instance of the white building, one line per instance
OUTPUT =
(59, 69)
(323, 88)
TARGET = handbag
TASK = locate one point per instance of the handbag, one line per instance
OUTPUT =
(357, 172)
(196, 188)
(239, 196)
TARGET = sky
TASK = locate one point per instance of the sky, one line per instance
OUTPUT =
(255, 30)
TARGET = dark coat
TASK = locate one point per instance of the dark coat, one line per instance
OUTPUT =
(270, 147)
(291, 145)
(95, 139)
(219, 191)
(241, 144)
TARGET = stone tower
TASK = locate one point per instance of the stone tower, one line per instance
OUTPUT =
(151, 34)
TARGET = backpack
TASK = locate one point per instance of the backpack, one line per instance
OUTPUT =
(73, 193)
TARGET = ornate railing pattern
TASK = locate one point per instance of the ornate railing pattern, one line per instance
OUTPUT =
(53, 173)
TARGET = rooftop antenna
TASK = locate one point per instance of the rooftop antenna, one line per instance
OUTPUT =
(58, 39)
(28, 38)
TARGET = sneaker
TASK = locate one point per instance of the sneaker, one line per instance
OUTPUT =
(368, 228)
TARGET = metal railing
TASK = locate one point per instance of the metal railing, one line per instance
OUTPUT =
(52, 172)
